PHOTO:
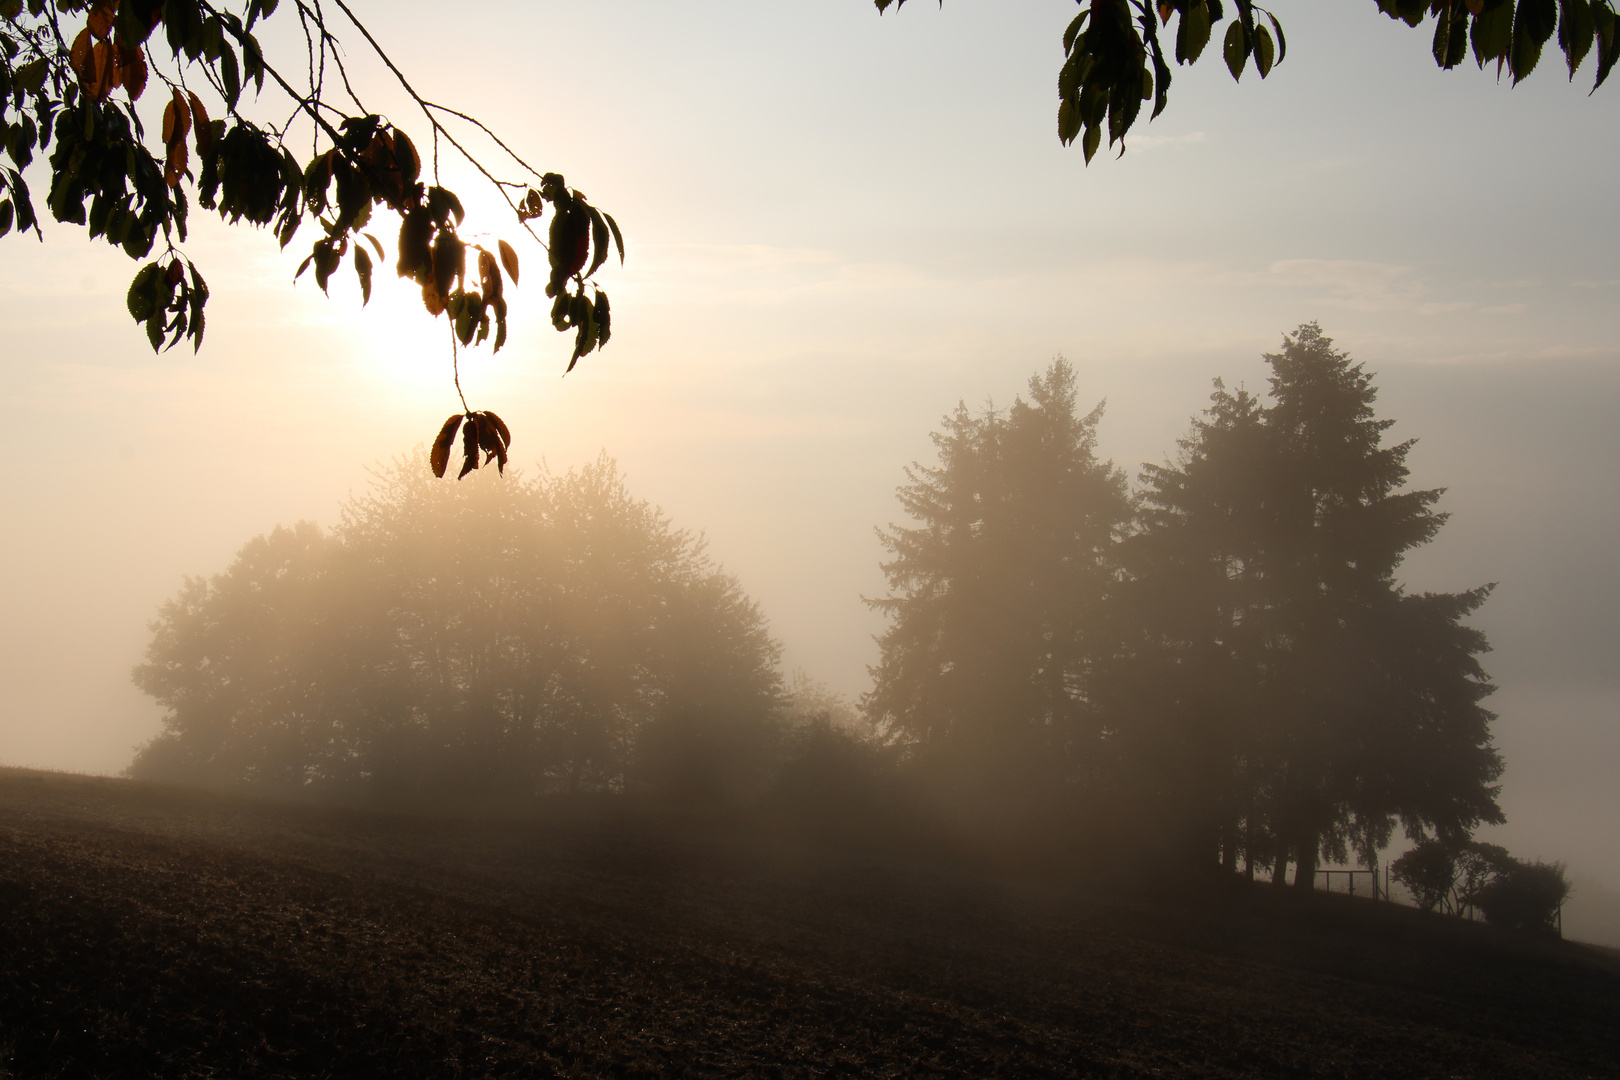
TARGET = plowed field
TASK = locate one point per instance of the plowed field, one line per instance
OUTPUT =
(153, 932)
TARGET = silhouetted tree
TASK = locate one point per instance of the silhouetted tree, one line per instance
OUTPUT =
(996, 594)
(486, 641)
(1116, 61)
(1278, 649)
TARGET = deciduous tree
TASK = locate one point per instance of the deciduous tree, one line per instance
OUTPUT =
(76, 76)
(489, 641)
(1118, 52)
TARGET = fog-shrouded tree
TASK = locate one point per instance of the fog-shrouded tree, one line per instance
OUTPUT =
(1323, 702)
(996, 593)
(487, 641)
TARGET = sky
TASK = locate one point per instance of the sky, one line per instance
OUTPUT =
(838, 225)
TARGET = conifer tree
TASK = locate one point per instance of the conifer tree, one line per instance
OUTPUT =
(996, 594)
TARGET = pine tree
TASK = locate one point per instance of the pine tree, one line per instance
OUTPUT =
(1324, 702)
(996, 595)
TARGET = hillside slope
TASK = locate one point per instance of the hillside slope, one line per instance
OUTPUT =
(147, 931)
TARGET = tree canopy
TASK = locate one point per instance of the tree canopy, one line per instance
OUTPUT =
(580, 643)
(1115, 59)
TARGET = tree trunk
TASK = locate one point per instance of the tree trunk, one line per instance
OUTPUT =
(1279, 865)
(1305, 864)
(1248, 850)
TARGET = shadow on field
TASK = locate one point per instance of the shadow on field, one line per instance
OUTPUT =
(156, 931)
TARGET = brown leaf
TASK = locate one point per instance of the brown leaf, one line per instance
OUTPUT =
(500, 427)
(509, 260)
(469, 445)
(440, 458)
(201, 125)
(102, 17)
(432, 300)
(489, 276)
(79, 54)
(176, 119)
(173, 274)
(415, 230)
(133, 63)
(449, 261)
(174, 167)
(100, 74)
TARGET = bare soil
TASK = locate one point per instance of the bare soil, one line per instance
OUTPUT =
(147, 931)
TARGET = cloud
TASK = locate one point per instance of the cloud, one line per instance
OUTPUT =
(1145, 143)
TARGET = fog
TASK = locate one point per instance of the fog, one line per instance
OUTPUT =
(839, 227)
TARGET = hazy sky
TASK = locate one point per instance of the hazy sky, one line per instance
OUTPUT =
(838, 226)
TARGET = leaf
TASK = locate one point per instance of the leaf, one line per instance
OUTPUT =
(362, 269)
(500, 427)
(1264, 51)
(489, 275)
(1282, 41)
(1604, 20)
(141, 298)
(1068, 121)
(509, 260)
(1533, 24)
(599, 239)
(1192, 32)
(133, 63)
(1235, 50)
(1576, 30)
(415, 230)
(449, 262)
(604, 319)
(5, 216)
(439, 459)
(618, 241)
(202, 128)
(1090, 141)
(229, 74)
(469, 445)
(1492, 33)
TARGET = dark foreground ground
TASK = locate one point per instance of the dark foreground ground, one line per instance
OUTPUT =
(151, 932)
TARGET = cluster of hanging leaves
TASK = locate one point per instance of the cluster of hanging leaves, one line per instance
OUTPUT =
(481, 432)
(129, 186)
(1115, 59)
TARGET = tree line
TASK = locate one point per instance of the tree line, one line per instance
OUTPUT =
(1218, 665)
(1220, 661)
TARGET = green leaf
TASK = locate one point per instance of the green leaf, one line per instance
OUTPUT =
(1161, 83)
(6, 215)
(1068, 121)
(1073, 30)
(1264, 51)
(1576, 30)
(1236, 49)
(1492, 33)
(1282, 41)
(1192, 33)
(618, 241)
(1091, 140)
(229, 74)
(1604, 21)
(1534, 22)
(142, 299)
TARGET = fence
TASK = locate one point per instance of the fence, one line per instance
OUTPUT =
(1381, 891)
